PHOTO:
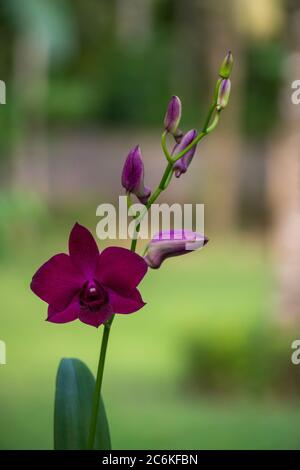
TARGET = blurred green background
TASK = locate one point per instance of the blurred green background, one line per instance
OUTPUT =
(207, 363)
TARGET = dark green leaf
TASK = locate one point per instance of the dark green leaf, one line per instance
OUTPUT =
(73, 399)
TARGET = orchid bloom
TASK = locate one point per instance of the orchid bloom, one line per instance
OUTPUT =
(88, 285)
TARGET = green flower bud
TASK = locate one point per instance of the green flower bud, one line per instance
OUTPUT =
(226, 67)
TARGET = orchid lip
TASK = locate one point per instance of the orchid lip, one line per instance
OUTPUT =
(92, 296)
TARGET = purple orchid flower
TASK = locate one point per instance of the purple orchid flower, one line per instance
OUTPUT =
(183, 163)
(88, 285)
(173, 115)
(169, 243)
(133, 175)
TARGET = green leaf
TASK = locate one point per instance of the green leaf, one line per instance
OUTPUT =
(73, 401)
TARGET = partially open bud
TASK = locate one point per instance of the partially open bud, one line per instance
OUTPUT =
(224, 93)
(226, 67)
(133, 175)
(173, 115)
(167, 244)
(183, 163)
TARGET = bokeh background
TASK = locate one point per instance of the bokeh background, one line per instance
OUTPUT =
(207, 363)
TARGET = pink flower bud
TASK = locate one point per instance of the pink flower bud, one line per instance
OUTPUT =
(224, 93)
(173, 115)
(167, 244)
(133, 175)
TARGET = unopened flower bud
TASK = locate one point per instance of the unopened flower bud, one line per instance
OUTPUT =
(224, 93)
(226, 67)
(183, 163)
(133, 175)
(173, 115)
(167, 244)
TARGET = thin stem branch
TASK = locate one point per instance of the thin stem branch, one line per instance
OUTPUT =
(164, 146)
(209, 115)
(98, 385)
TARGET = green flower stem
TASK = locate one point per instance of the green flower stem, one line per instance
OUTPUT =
(164, 181)
(214, 122)
(210, 113)
(129, 201)
(164, 146)
(97, 390)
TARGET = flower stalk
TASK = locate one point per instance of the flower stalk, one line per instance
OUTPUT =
(98, 385)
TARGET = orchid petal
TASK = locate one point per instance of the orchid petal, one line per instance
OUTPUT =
(120, 269)
(83, 250)
(57, 281)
